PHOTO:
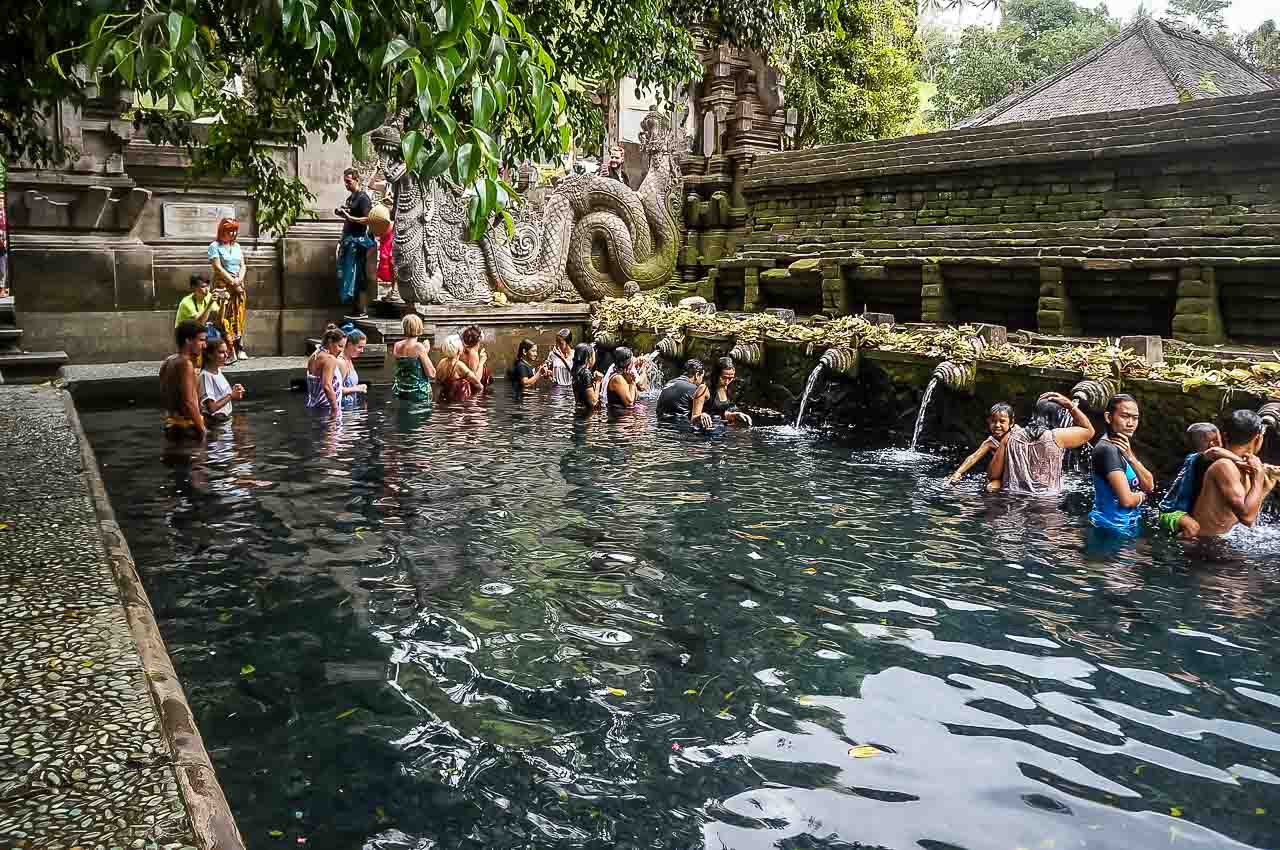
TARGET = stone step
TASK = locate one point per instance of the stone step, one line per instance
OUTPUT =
(10, 338)
(7, 315)
(30, 367)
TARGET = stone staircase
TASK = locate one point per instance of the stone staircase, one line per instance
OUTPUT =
(16, 365)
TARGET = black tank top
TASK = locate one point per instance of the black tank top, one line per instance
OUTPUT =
(676, 399)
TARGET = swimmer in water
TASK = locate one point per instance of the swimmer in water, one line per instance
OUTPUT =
(682, 399)
(1229, 495)
(178, 383)
(999, 421)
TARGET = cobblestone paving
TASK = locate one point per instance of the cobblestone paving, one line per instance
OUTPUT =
(83, 762)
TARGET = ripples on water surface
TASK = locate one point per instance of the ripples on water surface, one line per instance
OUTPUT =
(493, 626)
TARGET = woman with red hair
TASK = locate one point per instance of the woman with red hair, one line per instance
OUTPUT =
(229, 272)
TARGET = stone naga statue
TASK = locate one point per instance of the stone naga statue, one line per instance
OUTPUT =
(549, 254)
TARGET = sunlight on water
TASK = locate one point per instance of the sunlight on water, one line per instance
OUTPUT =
(497, 625)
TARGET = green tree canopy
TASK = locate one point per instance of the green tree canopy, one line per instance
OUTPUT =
(1035, 39)
(1205, 15)
(1261, 46)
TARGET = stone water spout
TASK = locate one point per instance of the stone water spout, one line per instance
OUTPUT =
(1270, 413)
(671, 347)
(747, 353)
(840, 361)
(957, 377)
(1093, 393)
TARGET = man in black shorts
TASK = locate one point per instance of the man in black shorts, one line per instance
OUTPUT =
(682, 399)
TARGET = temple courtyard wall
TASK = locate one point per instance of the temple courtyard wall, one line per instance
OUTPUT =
(1162, 221)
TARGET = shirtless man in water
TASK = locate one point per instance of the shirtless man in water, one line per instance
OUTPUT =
(182, 416)
(1233, 490)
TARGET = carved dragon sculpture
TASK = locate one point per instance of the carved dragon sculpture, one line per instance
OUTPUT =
(549, 255)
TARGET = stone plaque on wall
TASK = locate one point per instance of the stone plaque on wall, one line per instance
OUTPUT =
(195, 221)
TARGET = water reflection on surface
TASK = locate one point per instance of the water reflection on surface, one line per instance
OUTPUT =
(497, 625)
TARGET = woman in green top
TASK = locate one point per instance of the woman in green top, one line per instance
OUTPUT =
(414, 369)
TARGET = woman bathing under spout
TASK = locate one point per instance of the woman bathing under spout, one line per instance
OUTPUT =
(1029, 460)
(1121, 483)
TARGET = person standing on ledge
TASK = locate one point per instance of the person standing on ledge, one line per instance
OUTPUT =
(199, 307)
(1230, 495)
(182, 416)
(353, 249)
(228, 273)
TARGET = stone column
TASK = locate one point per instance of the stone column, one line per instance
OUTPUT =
(1055, 314)
(835, 300)
(935, 306)
(750, 289)
(1197, 315)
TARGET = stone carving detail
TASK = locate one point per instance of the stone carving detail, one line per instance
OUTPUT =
(552, 252)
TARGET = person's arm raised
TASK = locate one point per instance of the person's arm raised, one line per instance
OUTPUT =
(622, 387)
(1245, 501)
(424, 357)
(1146, 481)
(1081, 430)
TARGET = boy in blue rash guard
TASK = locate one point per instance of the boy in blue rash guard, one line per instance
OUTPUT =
(1175, 508)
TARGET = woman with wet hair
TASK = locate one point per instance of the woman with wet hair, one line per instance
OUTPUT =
(1121, 484)
(352, 389)
(1029, 460)
(324, 383)
(457, 380)
(586, 381)
(719, 402)
(475, 357)
(621, 390)
(414, 369)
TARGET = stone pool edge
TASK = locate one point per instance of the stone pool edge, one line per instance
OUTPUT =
(207, 809)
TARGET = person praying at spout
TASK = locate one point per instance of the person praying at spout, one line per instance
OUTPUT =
(625, 384)
(474, 355)
(1029, 459)
(1231, 495)
(1121, 484)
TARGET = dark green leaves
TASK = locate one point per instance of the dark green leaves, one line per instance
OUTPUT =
(397, 50)
(411, 148)
(368, 117)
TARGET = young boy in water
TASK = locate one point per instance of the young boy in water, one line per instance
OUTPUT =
(1175, 508)
(999, 422)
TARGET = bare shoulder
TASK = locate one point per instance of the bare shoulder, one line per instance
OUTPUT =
(1223, 469)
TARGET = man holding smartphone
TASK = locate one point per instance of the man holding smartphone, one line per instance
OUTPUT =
(353, 249)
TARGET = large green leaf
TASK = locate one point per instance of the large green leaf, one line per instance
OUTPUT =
(411, 148)
(398, 49)
(369, 117)
(483, 104)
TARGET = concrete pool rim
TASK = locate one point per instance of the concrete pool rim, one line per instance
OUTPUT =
(210, 816)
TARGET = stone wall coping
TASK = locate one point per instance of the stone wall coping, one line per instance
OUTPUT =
(207, 809)
(1247, 120)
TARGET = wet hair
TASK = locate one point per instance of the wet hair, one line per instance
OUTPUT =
(187, 330)
(694, 366)
(1045, 416)
(1198, 432)
(210, 357)
(582, 354)
(332, 334)
(1001, 407)
(198, 280)
(412, 325)
(1241, 426)
(622, 358)
(526, 345)
(355, 336)
(452, 346)
(1113, 404)
(725, 363)
(471, 336)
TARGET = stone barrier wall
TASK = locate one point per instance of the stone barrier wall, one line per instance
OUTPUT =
(1158, 221)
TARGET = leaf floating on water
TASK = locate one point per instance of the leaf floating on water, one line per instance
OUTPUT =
(809, 571)
(690, 692)
(745, 536)
(344, 715)
(224, 616)
(617, 692)
(1175, 811)
(275, 833)
(248, 670)
(1259, 811)
(865, 751)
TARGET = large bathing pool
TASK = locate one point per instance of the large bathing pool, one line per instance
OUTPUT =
(494, 625)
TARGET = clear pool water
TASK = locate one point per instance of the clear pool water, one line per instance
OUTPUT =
(497, 626)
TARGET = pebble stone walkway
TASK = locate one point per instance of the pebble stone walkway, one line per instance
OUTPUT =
(83, 760)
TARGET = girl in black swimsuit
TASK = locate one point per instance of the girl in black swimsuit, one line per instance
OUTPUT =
(718, 402)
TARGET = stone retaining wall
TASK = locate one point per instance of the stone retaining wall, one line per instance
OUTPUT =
(1164, 221)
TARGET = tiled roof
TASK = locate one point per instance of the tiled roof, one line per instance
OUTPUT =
(1148, 64)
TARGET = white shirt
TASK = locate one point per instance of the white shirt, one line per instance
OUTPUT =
(215, 386)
